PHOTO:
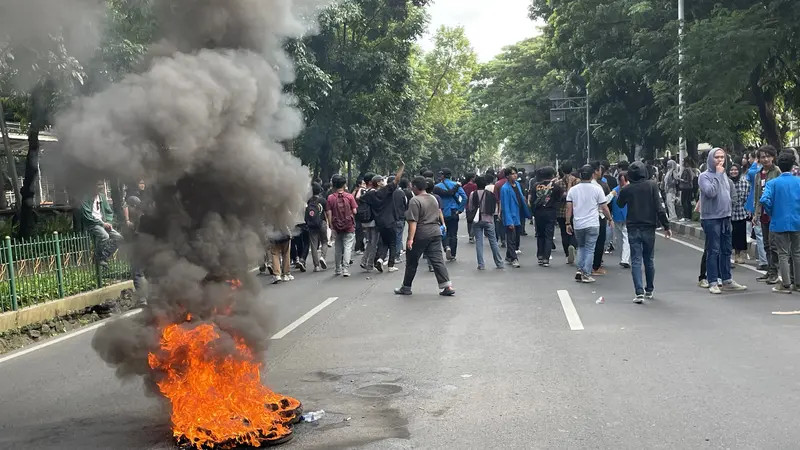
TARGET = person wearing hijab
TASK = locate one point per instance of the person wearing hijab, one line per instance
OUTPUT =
(671, 180)
(739, 215)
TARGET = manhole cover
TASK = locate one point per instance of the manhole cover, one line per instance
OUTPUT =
(378, 390)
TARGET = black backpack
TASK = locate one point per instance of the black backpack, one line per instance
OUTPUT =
(364, 212)
(313, 216)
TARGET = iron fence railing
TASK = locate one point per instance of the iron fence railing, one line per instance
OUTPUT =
(46, 268)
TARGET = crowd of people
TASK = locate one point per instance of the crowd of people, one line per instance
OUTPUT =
(598, 208)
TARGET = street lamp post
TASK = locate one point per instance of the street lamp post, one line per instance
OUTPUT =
(681, 100)
(560, 104)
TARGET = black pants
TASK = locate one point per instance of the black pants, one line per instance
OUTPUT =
(739, 236)
(686, 203)
(703, 267)
(388, 242)
(432, 249)
(359, 246)
(545, 230)
(772, 252)
(566, 238)
(300, 245)
(512, 241)
(601, 246)
(451, 240)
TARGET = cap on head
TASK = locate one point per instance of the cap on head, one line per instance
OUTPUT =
(587, 172)
(446, 172)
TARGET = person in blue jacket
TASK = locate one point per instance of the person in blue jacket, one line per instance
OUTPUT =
(781, 200)
(452, 206)
(513, 211)
(749, 206)
(620, 231)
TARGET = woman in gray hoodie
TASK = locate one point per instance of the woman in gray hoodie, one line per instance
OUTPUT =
(716, 206)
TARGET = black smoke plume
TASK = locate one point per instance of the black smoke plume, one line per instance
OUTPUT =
(203, 125)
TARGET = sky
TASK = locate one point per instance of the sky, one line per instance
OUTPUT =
(490, 25)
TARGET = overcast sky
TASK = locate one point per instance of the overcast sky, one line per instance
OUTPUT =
(490, 24)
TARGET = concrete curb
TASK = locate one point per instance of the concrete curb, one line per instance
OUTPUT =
(55, 308)
(694, 230)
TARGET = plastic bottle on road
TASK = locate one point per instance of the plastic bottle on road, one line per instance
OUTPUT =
(313, 416)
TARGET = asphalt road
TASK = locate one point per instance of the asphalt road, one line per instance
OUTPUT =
(498, 366)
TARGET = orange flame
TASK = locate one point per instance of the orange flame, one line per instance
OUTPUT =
(217, 402)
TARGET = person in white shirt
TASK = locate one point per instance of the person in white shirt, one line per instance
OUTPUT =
(583, 201)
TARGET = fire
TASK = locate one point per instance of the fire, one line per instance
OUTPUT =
(218, 401)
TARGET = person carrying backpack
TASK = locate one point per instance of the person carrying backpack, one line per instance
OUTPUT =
(452, 206)
(545, 199)
(340, 213)
(317, 227)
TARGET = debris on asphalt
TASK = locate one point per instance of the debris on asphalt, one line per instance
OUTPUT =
(347, 419)
(600, 300)
(466, 375)
(313, 416)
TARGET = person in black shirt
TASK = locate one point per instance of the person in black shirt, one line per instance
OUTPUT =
(545, 198)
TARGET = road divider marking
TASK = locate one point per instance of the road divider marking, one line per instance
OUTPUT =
(573, 319)
(64, 337)
(289, 328)
(701, 250)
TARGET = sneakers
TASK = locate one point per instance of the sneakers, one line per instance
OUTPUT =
(287, 277)
(262, 268)
(781, 289)
(519, 252)
(733, 286)
(345, 272)
(317, 269)
(625, 265)
(393, 269)
(715, 289)
(571, 254)
(648, 295)
(703, 283)
(638, 299)
(587, 279)
(472, 240)
(338, 271)
(481, 267)
(323, 264)
(447, 292)
(541, 261)
(402, 291)
(546, 264)
(762, 278)
(772, 279)
(448, 253)
(599, 272)
(578, 276)
(276, 279)
(379, 265)
(515, 264)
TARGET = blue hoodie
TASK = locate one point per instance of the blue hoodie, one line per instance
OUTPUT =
(752, 172)
(452, 205)
(716, 191)
(780, 199)
(619, 214)
(513, 213)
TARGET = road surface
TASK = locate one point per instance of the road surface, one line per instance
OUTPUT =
(499, 366)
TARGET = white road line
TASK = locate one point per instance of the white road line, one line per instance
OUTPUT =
(574, 320)
(64, 337)
(72, 334)
(303, 318)
(700, 249)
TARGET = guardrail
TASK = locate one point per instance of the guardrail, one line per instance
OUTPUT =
(36, 270)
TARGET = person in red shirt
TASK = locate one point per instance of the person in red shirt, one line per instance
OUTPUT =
(340, 212)
(470, 187)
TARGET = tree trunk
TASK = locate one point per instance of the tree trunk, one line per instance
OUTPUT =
(765, 102)
(27, 211)
(326, 166)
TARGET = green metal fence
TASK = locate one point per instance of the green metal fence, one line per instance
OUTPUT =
(46, 268)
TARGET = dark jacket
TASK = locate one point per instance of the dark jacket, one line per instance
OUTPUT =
(382, 204)
(641, 196)
(400, 204)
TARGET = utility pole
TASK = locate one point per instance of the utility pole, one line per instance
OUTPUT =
(12, 166)
(681, 100)
(588, 131)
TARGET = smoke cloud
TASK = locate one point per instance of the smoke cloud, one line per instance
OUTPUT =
(203, 126)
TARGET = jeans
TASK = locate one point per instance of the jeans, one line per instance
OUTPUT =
(718, 249)
(482, 229)
(761, 252)
(319, 243)
(388, 241)
(567, 239)
(500, 230)
(772, 253)
(471, 229)
(586, 238)
(451, 240)
(399, 239)
(622, 242)
(787, 246)
(300, 245)
(371, 247)
(432, 249)
(643, 243)
(512, 241)
(343, 249)
(545, 229)
(103, 240)
(600, 246)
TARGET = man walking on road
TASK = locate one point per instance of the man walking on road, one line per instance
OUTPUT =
(644, 212)
(768, 172)
(716, 208)
(424, 237)
(781, 200)
(620, 214)
(340, 212)
(583, 200)
(513, 211)
(545, 198)
(452, 206)
(566, 183)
